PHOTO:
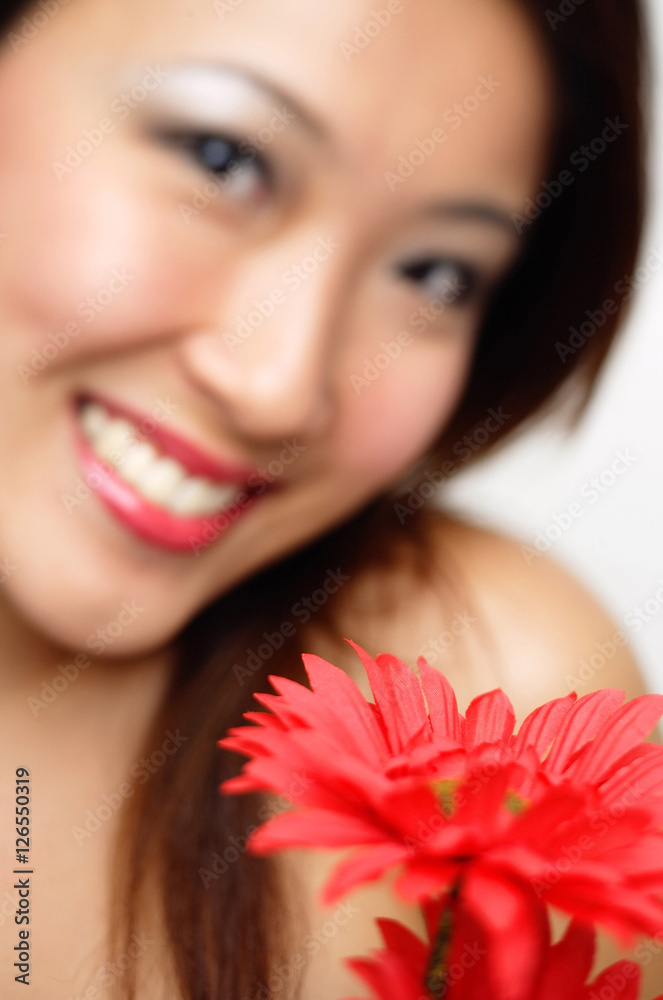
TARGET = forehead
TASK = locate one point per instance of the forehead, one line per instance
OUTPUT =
(380, 77)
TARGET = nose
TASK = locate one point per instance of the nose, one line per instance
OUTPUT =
(267, 356)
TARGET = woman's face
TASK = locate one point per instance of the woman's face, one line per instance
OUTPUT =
(246, 247)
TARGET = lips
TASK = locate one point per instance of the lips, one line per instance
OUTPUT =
(165, 489)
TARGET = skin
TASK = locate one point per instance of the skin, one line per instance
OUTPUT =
(192, 278)
(163, 338)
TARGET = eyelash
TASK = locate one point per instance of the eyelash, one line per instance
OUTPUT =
(227, 154)
(465, 287)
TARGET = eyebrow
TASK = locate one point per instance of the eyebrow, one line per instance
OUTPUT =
(471, 210)
(449, 208)
(292, 104)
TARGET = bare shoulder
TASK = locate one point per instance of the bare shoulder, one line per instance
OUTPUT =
(494, 614)
(550, 634)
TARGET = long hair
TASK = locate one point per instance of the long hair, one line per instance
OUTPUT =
(181, 840)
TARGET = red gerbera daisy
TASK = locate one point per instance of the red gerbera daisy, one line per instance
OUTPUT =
(402, 970)
(568, 811)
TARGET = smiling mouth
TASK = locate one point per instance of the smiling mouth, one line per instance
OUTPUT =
(154, 483)
(155, 476)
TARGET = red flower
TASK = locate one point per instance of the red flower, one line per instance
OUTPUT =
(566, 812)
(399, 972)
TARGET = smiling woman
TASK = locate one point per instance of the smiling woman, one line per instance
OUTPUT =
(266, 271)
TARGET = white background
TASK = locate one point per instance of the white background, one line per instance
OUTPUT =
(616, 545)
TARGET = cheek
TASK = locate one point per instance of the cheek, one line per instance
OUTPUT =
(77, 230)
(391, 419)
(93, 255)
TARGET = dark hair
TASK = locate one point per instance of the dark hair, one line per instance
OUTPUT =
(221, 930)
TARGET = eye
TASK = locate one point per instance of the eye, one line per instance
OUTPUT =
(449, 281)
(235, 164)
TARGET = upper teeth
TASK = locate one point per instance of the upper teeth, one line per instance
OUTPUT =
(161, 480)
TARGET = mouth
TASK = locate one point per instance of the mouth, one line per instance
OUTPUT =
(166, 490)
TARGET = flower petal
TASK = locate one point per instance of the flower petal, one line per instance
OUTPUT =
(489, 719)
(398, 697)
(516, 926)
(629, 725)
(426, 876)
(401, 939)
(580, 725)
(623, 912)
(313, 827)
(634, 783)
(363, 866)
(625, 972)
(540, 727)
(568, 965)
(446, 720)
(340, 696)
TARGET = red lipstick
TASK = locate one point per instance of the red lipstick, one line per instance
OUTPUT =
(148, 521)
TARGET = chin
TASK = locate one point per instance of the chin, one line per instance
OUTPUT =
(107, 622)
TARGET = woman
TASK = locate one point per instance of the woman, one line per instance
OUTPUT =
(266, 270)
